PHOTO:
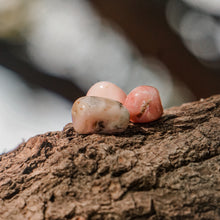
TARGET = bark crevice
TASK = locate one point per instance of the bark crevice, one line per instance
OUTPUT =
(167, 169)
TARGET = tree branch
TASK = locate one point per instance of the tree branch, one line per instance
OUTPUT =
(167, 169)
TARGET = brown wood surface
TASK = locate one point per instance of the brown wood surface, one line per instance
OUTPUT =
(167, 169)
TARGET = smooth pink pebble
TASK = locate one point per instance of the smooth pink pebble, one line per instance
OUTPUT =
(107, 90)
(144, 104)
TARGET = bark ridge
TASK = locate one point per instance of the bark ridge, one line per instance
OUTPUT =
(167, 169)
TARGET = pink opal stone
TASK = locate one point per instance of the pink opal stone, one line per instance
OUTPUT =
(92, 114)
(144, 104)
(107, 90)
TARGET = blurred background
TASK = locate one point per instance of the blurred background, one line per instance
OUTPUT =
(52, 51)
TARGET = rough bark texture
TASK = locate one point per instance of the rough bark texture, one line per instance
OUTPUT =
(168, 169)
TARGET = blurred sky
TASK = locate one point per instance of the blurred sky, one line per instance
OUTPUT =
(68, 39)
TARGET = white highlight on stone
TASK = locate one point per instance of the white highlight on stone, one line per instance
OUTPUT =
(92, 114)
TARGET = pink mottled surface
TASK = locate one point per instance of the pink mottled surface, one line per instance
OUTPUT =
(144, 104)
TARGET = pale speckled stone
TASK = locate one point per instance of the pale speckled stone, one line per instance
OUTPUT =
(93, 114)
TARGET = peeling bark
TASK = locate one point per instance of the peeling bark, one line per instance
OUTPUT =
(167, 169)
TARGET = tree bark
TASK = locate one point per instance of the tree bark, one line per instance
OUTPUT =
(167, 169)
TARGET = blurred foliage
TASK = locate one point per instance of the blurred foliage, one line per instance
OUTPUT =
(14, 19)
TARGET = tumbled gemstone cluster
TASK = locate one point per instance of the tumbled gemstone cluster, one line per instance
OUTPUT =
(107, 109)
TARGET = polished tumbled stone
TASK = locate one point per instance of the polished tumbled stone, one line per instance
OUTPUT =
(107, 90)
(91, 114)
(144, 104)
